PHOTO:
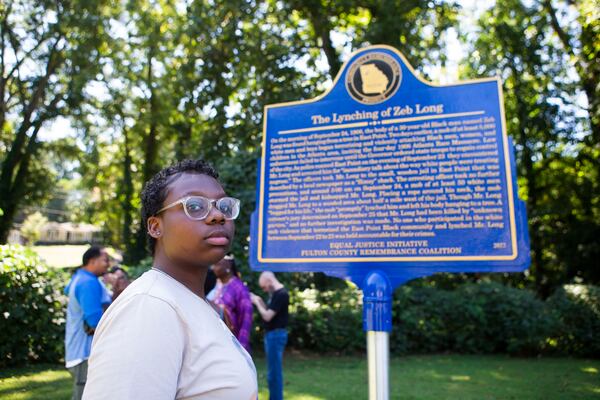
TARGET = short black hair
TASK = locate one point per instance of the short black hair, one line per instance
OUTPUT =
(155, 191)
(117, 268)
(231, 259)
(91, 253)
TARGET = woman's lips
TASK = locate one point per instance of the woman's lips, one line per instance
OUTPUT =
(217, 239)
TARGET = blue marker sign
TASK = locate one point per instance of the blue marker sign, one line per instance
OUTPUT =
(389, 172)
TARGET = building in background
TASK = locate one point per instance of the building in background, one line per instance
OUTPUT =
(61, 233)
(69, 233)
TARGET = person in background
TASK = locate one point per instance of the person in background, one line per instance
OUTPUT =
(88, 298)
(275, 317)
(117, 279)
(161, 339)
(232, 298)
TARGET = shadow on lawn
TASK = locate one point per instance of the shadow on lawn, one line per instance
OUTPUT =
(37, 383)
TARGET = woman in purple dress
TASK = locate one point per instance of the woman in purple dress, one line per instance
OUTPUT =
(232, 298)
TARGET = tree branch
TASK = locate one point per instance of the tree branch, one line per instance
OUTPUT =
(15, 154)
(27, 54)
(562, 34)
(39, 92)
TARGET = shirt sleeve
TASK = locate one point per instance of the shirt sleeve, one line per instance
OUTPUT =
(137, 352)
(89, 295)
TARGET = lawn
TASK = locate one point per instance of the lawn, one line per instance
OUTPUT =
(64, 256)
(61, 256)
(415, 377)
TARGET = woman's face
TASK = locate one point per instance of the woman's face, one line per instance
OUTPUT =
(194, 243)
(221, 269)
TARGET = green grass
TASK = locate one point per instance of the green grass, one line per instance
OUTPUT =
(39, 382)
(415, 377)
(64, 256)
(61, 256)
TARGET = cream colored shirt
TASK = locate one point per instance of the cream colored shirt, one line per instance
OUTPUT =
(160, 341)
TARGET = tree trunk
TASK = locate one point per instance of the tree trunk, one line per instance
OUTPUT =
(15, 167)
(9, 209)
(127, 195)
(532, 188)
(184, 136)
(150, 150)
(322, 28)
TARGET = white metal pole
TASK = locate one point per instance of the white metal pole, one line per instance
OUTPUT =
(378, 358)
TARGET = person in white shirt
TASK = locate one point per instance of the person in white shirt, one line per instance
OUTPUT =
(161, 339)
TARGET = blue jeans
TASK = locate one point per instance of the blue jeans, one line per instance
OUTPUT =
(275, 342)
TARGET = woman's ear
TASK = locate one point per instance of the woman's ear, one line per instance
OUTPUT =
(154, 227)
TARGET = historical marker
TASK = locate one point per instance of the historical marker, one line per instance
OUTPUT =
(389, 171)
(387, 178)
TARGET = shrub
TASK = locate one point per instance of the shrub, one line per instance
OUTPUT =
(513, 320)
(326, 321)
(32, 227)
(577, 308)
(478, 318)
(419, 320)
(31, 309)
(135, 271)
(474, 318)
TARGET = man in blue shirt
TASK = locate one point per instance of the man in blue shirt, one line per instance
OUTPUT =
(88, 298)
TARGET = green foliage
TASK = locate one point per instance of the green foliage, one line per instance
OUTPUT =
(32, 227)
(479, 318)
(577, 307)
(136, 270)
(474, 318)
(326, 321)
(50, 52)
(542, 60)
(31, 309)
(146, 84)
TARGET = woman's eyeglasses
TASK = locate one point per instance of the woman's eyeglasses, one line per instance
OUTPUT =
(198, 207)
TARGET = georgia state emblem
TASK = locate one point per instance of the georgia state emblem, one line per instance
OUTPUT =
(373, 78)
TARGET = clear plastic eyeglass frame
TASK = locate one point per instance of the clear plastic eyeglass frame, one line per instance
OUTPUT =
(211, 203)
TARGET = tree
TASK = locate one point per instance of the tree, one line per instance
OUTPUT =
(415, 27)
(192, 81)
(516, 43)
(579, 36)
(48, 53)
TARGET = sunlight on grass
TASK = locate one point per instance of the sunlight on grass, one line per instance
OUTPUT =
(297, 396)
(499, 376)
(65, 256)
(433, 374)
(61, 256)
(460, 378)
(291, 395)
(310, 377)
(40, 377)
(37, 385)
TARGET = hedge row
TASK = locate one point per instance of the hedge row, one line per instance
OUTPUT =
(474, 318)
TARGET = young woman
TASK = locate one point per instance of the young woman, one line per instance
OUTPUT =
(161, 339)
